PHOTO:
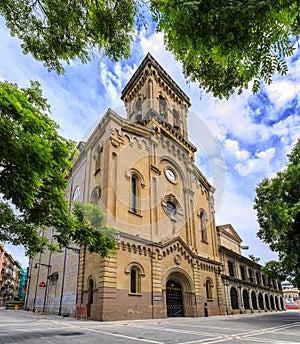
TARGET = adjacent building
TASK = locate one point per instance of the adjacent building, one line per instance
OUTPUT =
(9, 277)
(172, 259)
(246, 289)
(290, 293)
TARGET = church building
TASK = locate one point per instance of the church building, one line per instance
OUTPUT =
(172, 259)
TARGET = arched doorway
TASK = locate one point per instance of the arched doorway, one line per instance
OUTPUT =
(234, 298)
(272, 303)
(246, 299)
(260, 301)
(90, 296)
(174, 299)
(267, 302)
(254, 300)
(276, 303)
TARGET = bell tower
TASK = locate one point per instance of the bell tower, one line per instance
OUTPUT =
(152, 94)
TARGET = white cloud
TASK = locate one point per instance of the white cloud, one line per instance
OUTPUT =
(288, 130)
(237, 209)
(261, 162)
(232, 147)
(283, 91)
(114, 78)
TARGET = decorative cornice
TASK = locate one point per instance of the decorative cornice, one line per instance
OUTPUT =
(159, 250)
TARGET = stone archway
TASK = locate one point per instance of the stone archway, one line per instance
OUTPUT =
(174, 299)
(179, 295)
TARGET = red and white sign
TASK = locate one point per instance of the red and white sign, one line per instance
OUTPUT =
(42, 284)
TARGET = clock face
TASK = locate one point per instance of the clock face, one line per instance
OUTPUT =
(170, 174)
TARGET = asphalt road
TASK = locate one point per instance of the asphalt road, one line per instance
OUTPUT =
(32, 328)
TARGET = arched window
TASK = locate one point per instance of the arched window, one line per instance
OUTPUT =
(234, 298)
(208, 288)
(76, 194)
(246, 299)
(97, 163)
(138, 107)
(162, 106)
(254, 300)
(135, 280)
(203, 221)
(95, 196)
(134, 183)
(176, 119)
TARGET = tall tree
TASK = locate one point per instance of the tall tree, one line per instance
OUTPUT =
(61, 30)
(277, 203)
(223, 45)
(34, 166)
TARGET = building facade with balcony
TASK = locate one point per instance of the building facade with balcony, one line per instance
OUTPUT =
(9, 278)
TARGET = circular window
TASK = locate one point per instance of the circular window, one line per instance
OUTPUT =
(171, 209)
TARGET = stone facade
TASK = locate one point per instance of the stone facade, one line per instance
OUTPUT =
(141, 171)
(246, 289)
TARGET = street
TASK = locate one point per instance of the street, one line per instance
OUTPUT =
(27, 327)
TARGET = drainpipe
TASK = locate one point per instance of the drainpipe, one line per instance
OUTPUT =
(62, 282)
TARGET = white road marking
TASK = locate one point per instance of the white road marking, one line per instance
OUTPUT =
(247, 336)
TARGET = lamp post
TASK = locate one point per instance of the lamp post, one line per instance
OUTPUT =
(77, 251)
(37, 265)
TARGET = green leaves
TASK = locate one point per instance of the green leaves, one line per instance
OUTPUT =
(58, 30)
(34, 162)
(277, 204)
(91, 229)
(274, 270)
(34, 165)
(224, 45)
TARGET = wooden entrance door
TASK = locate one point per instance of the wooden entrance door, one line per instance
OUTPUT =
(174, 299)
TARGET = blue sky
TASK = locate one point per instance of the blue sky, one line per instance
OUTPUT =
(240, 141)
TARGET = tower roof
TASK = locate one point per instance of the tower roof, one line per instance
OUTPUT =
(149, 59)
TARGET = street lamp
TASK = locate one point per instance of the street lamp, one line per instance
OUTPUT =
(37, 265)
(77, 251)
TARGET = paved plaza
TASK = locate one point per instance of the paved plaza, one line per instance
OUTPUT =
(28, 327)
